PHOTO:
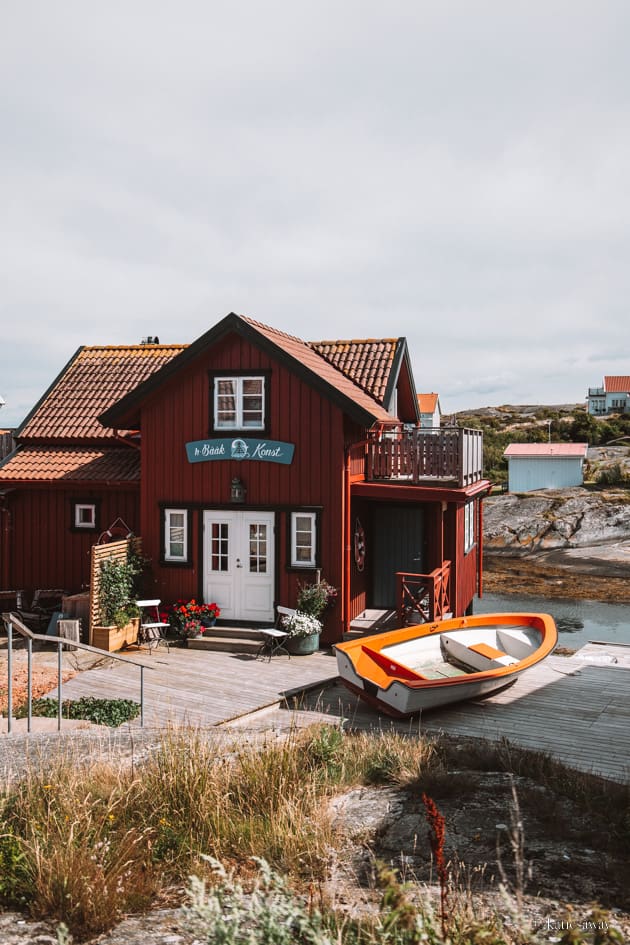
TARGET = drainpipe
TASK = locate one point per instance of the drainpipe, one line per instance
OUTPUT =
(347, 545)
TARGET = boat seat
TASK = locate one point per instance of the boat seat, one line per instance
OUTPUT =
(478, 656)
(516, 642)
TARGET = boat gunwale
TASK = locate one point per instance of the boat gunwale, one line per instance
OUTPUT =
(384, 680)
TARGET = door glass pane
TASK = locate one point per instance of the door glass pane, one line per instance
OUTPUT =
(257, 548)
(219, 550)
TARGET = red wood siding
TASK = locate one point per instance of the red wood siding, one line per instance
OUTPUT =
(464, 573)
(179, 413)
(44, 551)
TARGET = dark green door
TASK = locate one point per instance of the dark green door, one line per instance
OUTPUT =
(398, 545)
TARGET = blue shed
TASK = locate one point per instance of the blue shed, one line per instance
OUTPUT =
(534, 466)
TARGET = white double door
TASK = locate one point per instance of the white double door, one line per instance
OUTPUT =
(239, 563)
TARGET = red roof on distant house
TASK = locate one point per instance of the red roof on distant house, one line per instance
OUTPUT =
(617, 384)
(546, 450)
(427, 402)
(368, 362)
(94, 379)
(76, 464)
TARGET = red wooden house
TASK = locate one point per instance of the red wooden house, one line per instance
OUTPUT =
(266, 461)
(70, 479)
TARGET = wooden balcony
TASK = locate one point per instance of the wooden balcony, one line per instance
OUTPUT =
(451, 455)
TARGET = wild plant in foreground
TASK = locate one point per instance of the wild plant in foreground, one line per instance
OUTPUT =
(437, 837)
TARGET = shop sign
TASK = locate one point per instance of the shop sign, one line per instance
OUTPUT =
(265, 451)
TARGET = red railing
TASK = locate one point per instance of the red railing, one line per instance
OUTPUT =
(419, 456)
(423, 595)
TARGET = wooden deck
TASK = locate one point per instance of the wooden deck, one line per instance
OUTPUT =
(576, 709)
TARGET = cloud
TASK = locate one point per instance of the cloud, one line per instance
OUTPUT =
(451, 173)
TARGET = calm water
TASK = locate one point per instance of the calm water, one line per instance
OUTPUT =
(578, 621)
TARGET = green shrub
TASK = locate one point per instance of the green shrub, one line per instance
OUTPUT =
(112, 712)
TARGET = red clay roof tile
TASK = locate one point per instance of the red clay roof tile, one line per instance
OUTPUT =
(307, 355)
(96, 378)
(367, 362)
(76, 464)
(617, 384)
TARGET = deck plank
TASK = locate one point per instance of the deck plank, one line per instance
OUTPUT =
(576, 709)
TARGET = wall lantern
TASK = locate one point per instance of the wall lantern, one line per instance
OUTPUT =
(237, 493)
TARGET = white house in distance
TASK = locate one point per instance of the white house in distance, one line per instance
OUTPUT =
(533, 466)
(430, 412)
(612, 397)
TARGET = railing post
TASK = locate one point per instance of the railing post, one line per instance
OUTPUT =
(59, 684)
(142, 697)
(29, 684)
(10, 675)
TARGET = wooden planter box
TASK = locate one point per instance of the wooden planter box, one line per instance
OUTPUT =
(114, 638)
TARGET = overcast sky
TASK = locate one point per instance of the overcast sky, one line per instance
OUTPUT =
(455, 172)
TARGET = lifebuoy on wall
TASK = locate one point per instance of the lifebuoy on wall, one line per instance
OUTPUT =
(115, 532)
(359, 545)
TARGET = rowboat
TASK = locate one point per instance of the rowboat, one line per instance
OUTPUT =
(413, 669)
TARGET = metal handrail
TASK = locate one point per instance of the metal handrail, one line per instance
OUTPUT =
(12, 622)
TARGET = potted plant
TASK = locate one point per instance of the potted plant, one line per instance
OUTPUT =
(118, 613)
(186, 616)
(304, 630)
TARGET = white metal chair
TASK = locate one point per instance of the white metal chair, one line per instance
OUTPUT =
(152, 630)
(274, 638)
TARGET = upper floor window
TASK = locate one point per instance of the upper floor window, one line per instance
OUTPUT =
(239, 403)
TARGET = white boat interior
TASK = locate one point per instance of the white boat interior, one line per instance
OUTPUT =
(461, 652)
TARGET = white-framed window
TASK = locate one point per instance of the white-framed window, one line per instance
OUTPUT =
(303, 539)
(239, 403)
(85, 515)
(175, 535)
(469, 526)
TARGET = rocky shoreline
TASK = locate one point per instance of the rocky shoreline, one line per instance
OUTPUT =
(572, 543)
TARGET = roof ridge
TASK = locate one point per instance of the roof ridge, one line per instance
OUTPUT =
(354, 341)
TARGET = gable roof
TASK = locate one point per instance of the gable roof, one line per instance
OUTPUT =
(93, 379)
(296, 354)
(368, 362)
(617, 384)
(427, 402)
(546, 450)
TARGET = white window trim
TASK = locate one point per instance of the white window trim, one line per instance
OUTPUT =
(78, 508)
(238, 423)
(168, 556)
(469, 526)
(312, 562)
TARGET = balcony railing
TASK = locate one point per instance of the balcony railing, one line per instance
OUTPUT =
(446, 455)
(423, 597)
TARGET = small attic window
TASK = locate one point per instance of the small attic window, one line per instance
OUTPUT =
(85, 515)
